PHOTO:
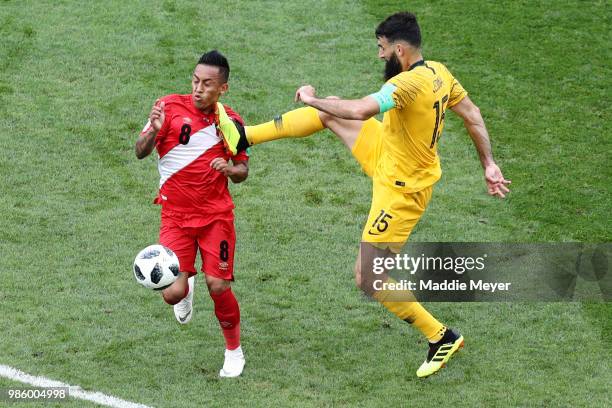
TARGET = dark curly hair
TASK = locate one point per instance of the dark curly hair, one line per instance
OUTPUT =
(400, 26)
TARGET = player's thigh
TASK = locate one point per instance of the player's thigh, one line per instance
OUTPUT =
(393, 215)
(217, 242)
(180, 240)
(346, 130)
(366, 148)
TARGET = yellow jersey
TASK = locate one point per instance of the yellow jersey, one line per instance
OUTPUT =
(411, 129)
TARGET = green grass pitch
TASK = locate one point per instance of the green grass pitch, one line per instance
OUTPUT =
(77, 80)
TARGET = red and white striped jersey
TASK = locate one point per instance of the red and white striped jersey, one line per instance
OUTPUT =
(186, 144)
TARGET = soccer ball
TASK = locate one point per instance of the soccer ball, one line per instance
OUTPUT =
(156, 267)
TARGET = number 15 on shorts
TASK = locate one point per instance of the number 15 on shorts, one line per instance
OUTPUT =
(381, 223)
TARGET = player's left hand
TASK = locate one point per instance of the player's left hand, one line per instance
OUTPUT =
(496, 183)
(221, 165)
(305, 94)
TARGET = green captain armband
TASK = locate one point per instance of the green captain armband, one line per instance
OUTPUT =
(384, 97)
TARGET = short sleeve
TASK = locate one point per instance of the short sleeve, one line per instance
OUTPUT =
(457, 93)
(241, 156)
(406, 90)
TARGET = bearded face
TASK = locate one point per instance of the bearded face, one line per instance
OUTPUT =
(392, 67)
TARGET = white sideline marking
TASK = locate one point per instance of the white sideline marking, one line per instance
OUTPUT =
(75, 391)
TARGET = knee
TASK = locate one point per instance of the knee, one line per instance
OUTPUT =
(178, 290)
(362, 281)
(173, 295)
(216, 286)
(363, 286)
(325, 118)
(358, 277)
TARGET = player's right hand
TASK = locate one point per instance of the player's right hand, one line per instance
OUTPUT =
(157, 115)
(305, 94)
(221, 165)
(496, 183)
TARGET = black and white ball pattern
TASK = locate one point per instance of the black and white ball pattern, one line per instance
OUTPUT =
(156, 267)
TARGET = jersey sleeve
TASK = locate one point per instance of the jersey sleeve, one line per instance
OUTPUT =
(457, 93)
(406, 90)
(241, 156)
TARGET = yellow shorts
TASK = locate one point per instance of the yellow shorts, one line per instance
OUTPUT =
(367, 146)
(393, 215)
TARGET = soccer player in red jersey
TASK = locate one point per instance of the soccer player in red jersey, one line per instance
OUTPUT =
(197, 209)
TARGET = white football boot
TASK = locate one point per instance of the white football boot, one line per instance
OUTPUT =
(183, 310)
(233, 364)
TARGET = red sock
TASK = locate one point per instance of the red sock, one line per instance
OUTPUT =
(228, 313)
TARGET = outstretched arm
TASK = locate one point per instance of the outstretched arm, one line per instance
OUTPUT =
(356, 109)
(474, 123)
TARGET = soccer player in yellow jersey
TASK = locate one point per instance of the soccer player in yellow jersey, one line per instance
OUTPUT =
(399, 153)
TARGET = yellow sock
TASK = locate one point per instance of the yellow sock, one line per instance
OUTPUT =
(296, 123)
(400, 304)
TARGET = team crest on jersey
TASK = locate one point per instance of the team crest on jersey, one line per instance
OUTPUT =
(223, 266)
(437, 84)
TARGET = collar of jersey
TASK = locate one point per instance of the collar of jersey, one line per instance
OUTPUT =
(416, 64)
